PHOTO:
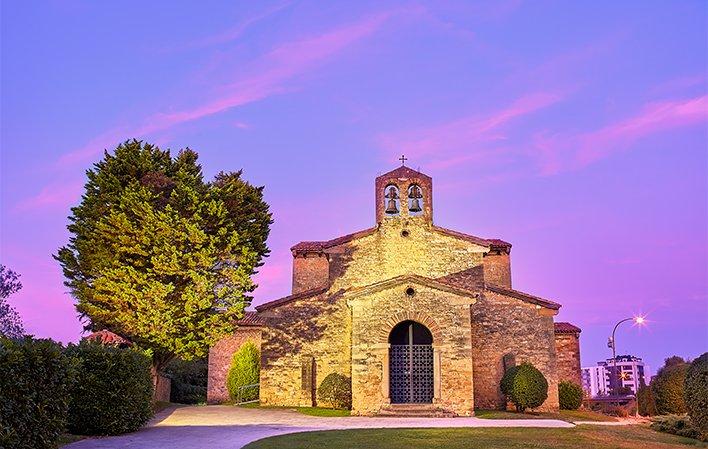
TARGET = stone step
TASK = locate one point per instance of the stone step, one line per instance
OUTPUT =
(415, 411)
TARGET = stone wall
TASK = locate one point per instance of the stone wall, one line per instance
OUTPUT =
(568, 354)
(220, 356)
(305, 340)
(445, 314)
(310, 271)
(399, 247)
(503, 325)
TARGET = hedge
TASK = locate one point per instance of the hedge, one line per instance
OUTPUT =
(245, 370)
(570, 395)
(113, 392)
(188, 380)
(696, 393)
(667, 388)
(35, 380)
(336, 391)
(525, 386)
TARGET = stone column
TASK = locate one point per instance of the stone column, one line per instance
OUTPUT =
(385, 376)
(436, 374)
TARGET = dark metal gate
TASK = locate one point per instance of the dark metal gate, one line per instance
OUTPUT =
(411, 373)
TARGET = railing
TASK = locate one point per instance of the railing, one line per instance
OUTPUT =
(247, 394)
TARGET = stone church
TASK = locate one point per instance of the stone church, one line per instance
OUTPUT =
(411, 312)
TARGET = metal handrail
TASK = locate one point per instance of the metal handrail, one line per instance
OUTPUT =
(242, 389)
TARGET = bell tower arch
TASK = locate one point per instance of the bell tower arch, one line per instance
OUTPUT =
(404, 193)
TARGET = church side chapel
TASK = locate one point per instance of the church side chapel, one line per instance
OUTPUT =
(419, 317)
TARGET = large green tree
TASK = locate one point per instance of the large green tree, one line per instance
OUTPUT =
(160, 256)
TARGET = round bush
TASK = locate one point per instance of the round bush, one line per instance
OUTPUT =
(525, 386)
(570, 395)
(336, 391)
(696, 393)
(35, 380)
(245, 370)
(667, 388)
(113, 391)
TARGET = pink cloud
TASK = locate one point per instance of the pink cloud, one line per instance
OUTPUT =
(271, 74)
(57, 195)
(654, 118)
(459, 139)
(558, 152)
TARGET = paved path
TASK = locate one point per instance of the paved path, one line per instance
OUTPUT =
(226, 427)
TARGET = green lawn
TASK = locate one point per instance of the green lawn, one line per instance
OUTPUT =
(565, 415)
(587, 436)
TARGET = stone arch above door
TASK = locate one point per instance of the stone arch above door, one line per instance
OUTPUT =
(420, 317)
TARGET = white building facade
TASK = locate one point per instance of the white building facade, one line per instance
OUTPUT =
(631, 373)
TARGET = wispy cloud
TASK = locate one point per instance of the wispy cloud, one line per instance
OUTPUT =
(53, 196)
(271, 74)
(560, 152)
(239, 29)
(459, 140)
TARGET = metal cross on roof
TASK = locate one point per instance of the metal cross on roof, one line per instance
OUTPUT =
(403, 159)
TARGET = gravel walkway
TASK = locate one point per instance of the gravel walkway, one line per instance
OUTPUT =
(226, 427)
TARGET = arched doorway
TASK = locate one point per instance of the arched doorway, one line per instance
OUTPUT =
(410, 363)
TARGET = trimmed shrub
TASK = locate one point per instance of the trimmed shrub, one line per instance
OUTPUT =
(336, 391)
(188, 380)
(676, 424)
(245, 370)
(667, 388)
(646, 402)
(696, 393)
(570, 395)
(525, 386)
(35, 380)
(113, 391)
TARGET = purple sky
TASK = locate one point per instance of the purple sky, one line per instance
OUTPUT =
(576, 131)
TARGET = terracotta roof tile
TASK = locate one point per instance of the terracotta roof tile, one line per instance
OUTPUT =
(523, 296)
(404, 172)
(287, 299)
(566, 328)
(319, 246)
(470, 279)
(251, 318)
(106, 337)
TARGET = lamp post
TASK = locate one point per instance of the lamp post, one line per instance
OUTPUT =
(612, 344)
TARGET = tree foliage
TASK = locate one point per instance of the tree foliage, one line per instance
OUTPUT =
(696, 393)
(160, 256)
(245, 370)
(645, 401)
(667, 387)
(525, 386)
(10, 321)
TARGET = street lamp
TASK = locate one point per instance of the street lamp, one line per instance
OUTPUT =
(611, 343)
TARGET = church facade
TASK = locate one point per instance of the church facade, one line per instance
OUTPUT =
(411, 312)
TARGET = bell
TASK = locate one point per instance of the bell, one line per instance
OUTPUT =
(415, 192)
(392, 193)
(391, 208)
(415, 205)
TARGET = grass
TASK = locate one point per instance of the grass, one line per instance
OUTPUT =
(311, 411)
(588, 436)
(565, 415)
(159, 406)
